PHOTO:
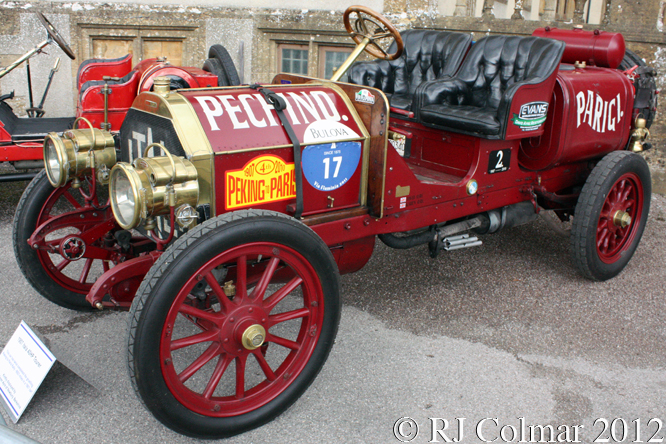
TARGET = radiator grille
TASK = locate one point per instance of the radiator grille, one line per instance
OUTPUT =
(140, 129)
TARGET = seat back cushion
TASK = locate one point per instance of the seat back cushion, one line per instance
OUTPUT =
(122, 81)
(496, 62)
(427, 55)
(95, 69)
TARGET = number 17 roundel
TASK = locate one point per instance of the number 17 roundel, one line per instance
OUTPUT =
(329, 166)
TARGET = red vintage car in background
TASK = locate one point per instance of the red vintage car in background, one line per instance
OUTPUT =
(106, 89)
(225, 231)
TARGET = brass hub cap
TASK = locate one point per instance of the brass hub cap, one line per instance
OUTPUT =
(253, 337)
(622, 219)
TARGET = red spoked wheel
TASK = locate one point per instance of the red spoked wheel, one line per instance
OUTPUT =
(247, 306)
(611, 214)
(620, 215)
(62, 244)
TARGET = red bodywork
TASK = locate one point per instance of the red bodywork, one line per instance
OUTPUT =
(590, 114)
(90, 103)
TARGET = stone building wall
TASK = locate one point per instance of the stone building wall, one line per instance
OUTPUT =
(254, 32)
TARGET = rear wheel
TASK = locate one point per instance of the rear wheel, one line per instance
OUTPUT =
(233, 323)
(610, 215)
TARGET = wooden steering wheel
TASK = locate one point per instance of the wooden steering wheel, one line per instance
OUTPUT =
(55, 35)
(375, 27)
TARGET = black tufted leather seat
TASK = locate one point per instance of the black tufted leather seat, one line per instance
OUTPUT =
(478, 99)
(428, 55)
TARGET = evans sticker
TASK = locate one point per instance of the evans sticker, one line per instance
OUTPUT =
(532, 116)
(263, 179)
(329, 166)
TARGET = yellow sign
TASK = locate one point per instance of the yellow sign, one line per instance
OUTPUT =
(263, 179)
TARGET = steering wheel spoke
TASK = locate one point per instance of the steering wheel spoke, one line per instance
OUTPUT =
(378, 47)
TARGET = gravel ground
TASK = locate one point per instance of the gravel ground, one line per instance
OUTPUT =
(506, 330)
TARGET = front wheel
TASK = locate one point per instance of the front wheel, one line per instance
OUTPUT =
(610, 215)
(233, 323)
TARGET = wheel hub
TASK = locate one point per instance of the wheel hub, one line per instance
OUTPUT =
(72, 248)
(253, 337)
(243, 330)
(621, 219)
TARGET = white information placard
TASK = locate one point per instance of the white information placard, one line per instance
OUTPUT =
(24, 363)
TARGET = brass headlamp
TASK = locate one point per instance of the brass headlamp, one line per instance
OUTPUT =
(151, 187)
(76, 153)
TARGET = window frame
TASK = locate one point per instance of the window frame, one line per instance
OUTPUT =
(293, 45)
(321, 59)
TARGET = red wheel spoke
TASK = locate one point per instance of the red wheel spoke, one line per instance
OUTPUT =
(260, 289)
(288, 316)
(105, 266)
(198, 363)
(626, 189)
(198, 313)
(221, 367)
(241, 277)
(629, 203)
(61, 266)
(194, 339)
(283, 342)
(602, 239)
(276, 297)
(226, 304)
(71, 200)
(86, 271)
(264, 365)
(240, 376)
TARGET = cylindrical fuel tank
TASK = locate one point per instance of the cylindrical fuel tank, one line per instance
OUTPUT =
(588, 117)
(598, 48)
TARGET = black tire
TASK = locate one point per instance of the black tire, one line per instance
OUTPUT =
(646, 86)
(630, 60)
(601, 245)
(228, 68)
(214, 66)
(29, 207)
(178, 272)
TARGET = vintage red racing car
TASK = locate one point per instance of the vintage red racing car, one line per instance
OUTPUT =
(223, 217)
(106, 89)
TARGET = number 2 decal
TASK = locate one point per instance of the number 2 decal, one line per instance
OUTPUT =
(499, 161)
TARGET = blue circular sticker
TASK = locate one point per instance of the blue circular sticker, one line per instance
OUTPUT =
(329, 166)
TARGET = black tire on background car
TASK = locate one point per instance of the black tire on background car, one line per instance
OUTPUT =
(209, 355)
(228, 71)
(214, 66)
(610, 215)
(646, 99)
(28, 213)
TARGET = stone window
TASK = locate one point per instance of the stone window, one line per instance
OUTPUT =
(177, 43)
(311, 52)
(330, 59)
(293, 59)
